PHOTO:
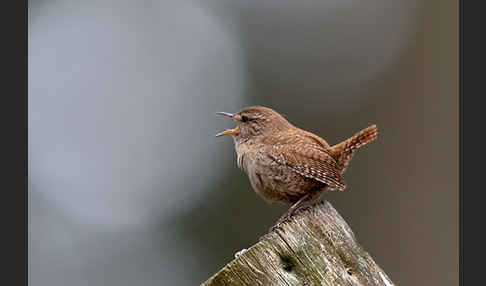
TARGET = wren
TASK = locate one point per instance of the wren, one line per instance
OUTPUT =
(286, 164)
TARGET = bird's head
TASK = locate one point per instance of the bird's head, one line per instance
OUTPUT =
(255, 123)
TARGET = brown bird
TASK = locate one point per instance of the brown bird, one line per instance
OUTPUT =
(286, 164)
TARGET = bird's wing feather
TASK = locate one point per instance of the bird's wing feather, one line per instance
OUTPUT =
(309, 161)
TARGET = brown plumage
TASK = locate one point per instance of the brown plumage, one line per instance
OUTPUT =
(287, 164)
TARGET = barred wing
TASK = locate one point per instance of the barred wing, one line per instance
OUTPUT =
(309, 161)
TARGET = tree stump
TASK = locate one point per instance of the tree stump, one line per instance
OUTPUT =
(315, 247)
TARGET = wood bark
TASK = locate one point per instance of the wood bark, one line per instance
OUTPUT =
(315, 247)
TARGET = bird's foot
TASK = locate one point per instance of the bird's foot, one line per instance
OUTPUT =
(271, 229)
(297, 207)
(274, 227)
(287, 216)
(282, 219)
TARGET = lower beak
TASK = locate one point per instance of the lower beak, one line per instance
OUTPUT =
(228, 131)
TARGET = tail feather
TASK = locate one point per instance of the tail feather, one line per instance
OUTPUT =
(343, 152)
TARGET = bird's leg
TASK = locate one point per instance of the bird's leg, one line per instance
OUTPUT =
(290, 211)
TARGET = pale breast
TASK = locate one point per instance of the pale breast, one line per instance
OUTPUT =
(247, 162)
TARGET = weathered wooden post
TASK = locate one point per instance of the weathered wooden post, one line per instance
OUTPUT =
(316, 247)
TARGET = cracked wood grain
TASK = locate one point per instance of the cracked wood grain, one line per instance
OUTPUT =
(315, 247)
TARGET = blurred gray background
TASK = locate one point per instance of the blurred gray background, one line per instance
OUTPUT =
(128, 185)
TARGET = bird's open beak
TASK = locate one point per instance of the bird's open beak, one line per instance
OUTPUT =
(227, 131)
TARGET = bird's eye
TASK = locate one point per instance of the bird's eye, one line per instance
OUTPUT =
(244, 118)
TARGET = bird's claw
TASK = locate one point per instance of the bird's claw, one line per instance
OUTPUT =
(272, 228)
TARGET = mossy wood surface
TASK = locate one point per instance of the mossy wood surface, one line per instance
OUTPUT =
(316, 247)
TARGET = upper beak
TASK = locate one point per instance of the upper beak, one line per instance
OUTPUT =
(227, 131)
(225, 114)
